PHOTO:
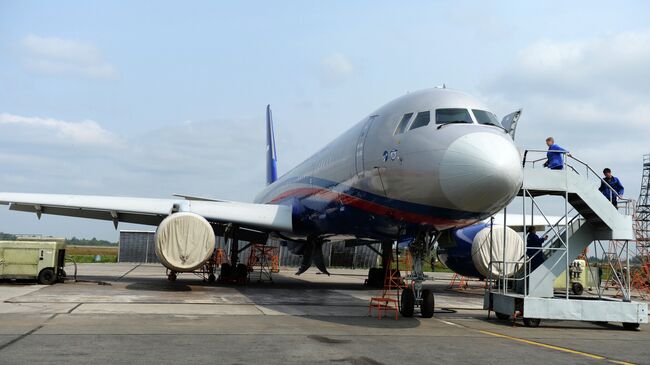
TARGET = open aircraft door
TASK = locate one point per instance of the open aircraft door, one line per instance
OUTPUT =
(509, 122)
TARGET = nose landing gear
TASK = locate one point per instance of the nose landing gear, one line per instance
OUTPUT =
(415, 295)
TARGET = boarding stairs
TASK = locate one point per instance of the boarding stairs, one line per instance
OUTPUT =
(596, 218)
(589, 217)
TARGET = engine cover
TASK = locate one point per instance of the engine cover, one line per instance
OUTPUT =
(513, 249)
(184, 241)
(467, 251)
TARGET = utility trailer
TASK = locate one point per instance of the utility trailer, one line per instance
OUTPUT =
(40, 260)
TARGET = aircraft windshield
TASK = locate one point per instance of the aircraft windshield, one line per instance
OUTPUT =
(421, 120)
(448, 116)
(402, 124)
(485, 117)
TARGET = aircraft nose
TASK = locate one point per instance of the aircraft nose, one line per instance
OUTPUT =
(481, 172)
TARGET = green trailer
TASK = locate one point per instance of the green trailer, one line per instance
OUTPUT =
(39, 259)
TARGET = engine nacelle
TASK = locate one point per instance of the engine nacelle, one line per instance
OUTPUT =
(466, 251)
(184, 241)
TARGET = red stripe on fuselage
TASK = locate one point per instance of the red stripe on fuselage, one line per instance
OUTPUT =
(345, 199)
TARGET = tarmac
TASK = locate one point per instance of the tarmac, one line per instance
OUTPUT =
(131, 314)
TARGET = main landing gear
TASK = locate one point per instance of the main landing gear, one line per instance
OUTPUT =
(377, 275)
(415, 295)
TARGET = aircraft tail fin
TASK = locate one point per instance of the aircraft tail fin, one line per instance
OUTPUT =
(271, 158)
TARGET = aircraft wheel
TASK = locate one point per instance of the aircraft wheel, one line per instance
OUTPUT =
(502, 316)
(46, 276)
(241, 270)
(372, 277)
(532, 322)
(225, 272)
(427, 305)
(407, 301)
(211, 278)
(630, 326)
(172, 276)
(577, 288)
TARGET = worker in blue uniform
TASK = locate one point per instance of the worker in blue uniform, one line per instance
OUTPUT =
(554, 160)
(534, 248)
(615, 183)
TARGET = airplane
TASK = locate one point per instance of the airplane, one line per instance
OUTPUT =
(424, 163)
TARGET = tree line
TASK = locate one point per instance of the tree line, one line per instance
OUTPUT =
(74, 241)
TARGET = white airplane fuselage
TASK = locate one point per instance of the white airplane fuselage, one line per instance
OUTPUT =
(383, 175)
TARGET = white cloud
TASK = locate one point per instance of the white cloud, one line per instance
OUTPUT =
(607, 66)
(220, 158)
(593, 95)
(335, 69)
(57, 56)
(54, 131)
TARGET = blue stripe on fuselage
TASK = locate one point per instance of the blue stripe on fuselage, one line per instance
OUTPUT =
(395, 204)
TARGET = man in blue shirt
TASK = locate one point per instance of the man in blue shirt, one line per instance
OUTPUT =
(554, 160)
(615, 183)
(534, 245)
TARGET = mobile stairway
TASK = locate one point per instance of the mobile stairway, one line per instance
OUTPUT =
(588, 217)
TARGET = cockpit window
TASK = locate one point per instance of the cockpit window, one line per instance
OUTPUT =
(421, 120)
(447, 116)
(403, 123)
(485, 117)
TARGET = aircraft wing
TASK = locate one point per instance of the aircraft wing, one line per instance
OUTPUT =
(151, 211)
(516, 221)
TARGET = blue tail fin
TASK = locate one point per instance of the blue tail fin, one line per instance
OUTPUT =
(271, 158)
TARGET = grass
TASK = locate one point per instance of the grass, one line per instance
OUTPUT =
(91, 250)
(91, 258)
(437, 267)
(86, 254)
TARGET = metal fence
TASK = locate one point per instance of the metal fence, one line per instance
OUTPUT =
(139, 246)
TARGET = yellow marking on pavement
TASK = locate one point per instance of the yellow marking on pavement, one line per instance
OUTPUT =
(557, 348)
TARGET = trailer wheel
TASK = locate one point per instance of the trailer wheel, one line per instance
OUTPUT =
(577, 288)
(532, 322)
(630, 326)
(46, 276)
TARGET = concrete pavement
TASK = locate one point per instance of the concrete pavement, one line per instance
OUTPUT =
(130, 314)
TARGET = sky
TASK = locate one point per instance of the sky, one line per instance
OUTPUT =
(156, 98)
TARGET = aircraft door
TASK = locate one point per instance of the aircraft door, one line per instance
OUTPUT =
(509, 122)
(358, 163)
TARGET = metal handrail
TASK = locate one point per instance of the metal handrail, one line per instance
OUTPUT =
(568, 224)
(568, 154)
(557, 224)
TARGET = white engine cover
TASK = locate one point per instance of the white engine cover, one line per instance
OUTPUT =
(184, 241)
(514, 252)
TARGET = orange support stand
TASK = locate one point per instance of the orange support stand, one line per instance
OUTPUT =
(458, 281)
(264, 260)
(390, 295)
(220, 257)
(393, 285)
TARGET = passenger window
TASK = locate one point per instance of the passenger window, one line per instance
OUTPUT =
(447, 116)
(403, 123)
(421, 120)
